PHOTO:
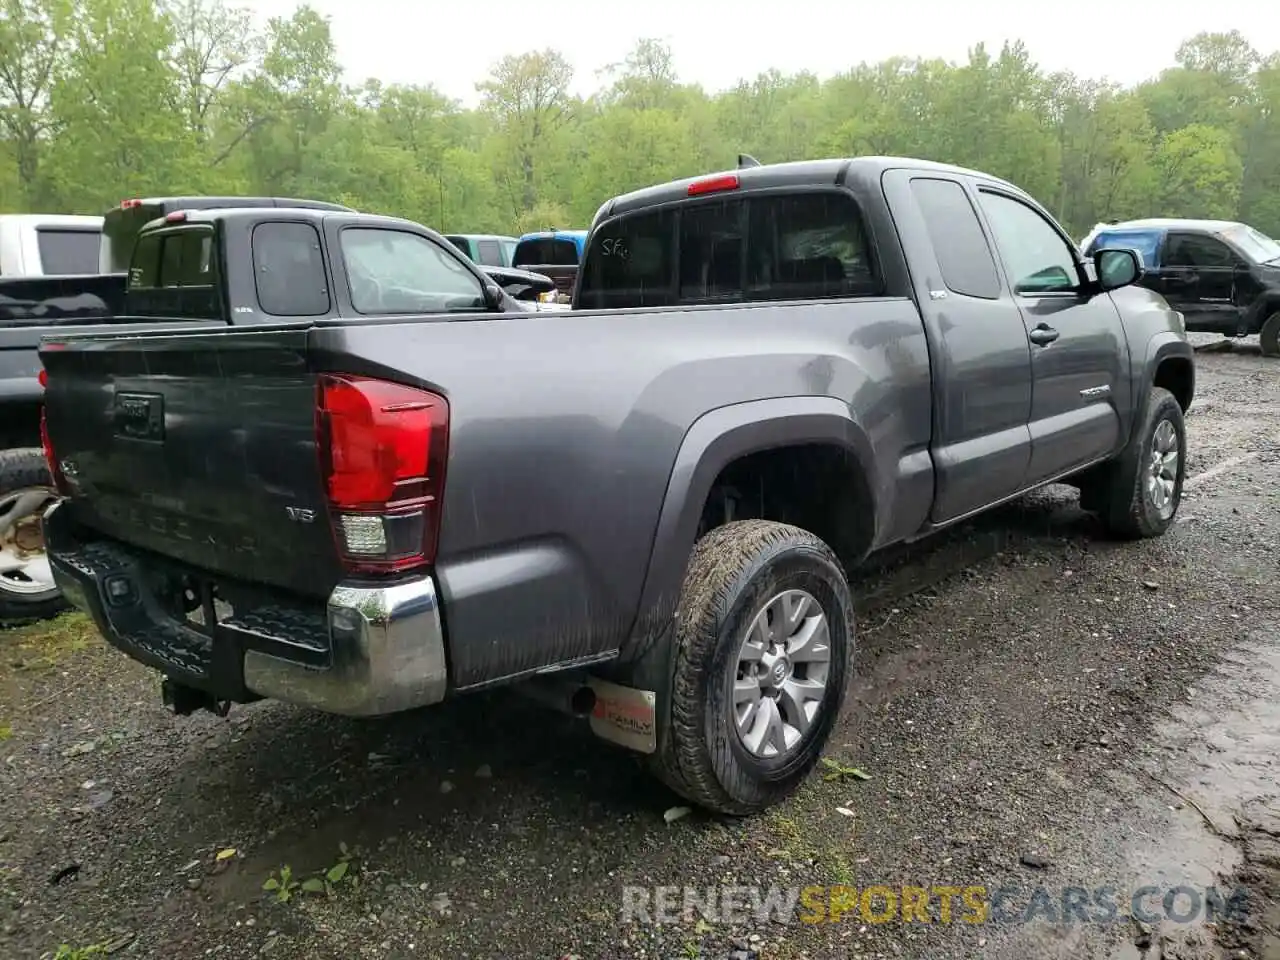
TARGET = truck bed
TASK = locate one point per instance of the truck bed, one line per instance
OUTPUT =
(564, 431)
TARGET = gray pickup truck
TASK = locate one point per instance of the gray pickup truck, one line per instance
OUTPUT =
(641, 510)
(192, 282)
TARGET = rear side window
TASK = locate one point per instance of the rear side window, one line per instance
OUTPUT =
(64, 252)
(546, 251)
(800, 246)
(1144, 241)
(490, 253)
(462, 243)
(288, 269)
(968, 268)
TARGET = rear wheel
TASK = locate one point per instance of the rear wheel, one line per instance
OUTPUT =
(27, 589)
(764, 633)
(1269, 336)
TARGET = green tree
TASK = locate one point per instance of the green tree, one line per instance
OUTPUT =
(114, 66)
(527, 96)
(1199, 173)
(212, 43)
(172, 96)
(30, 48)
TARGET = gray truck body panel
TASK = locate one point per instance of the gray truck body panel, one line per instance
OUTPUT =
(584, 445)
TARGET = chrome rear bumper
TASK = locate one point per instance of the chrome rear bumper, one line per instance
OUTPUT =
(373, 650)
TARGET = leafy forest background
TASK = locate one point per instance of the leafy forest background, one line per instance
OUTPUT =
(105, 99)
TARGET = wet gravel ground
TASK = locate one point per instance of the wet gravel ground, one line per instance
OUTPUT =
(1033, 706)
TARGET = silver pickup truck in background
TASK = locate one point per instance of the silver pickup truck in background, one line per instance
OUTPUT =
(48, 245)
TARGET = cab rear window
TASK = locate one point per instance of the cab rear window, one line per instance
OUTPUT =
(546, 251)
(67, 252)
(798, 246)
(181, 258)
(175, 273)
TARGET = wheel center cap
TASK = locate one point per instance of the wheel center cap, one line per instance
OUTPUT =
(780, 672)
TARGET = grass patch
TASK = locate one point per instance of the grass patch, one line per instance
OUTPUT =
(68, 952)
(37, 646)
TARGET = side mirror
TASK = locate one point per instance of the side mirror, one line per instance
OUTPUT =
(1116, 268)
(493, 296)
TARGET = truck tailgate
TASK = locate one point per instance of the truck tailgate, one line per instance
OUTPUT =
(201, 448)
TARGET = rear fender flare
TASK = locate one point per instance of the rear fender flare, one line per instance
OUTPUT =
(715, 440)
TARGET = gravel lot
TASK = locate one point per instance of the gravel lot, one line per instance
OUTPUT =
(1034, 706)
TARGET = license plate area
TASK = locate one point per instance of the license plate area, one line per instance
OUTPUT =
(191, 600)
(139, 416)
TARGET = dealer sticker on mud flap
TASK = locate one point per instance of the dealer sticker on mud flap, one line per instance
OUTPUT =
(624, 715)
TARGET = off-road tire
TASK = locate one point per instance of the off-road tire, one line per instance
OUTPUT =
(26, 467)
(1269, 336)
(734, 571)
(1120, 494)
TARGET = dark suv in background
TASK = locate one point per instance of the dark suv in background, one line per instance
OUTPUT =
(1224, 277)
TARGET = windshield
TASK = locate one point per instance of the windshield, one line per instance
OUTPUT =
(1255, 245)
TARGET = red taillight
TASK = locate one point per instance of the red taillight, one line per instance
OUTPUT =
(383, 448)
(130, 204)
(50, 458)
(728, 181)
(43, 377)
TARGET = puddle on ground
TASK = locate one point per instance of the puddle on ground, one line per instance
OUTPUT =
(1217, 756)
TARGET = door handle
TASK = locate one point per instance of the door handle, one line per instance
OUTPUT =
(1043, 335)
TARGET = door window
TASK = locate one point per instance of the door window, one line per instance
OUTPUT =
(1037, 257)
(391, 271)
(1196, 250)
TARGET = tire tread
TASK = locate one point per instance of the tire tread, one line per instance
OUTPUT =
(25, 467)
(721, 562)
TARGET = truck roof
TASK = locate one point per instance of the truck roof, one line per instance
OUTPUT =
(1172, 223)
(316, 214)
(553, 235)
(479, 236)
(52, 220)
(795, 173)
(201, 202)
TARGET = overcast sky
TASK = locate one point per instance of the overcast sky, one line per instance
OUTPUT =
(717, 42)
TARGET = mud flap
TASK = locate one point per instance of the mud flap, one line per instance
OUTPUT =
(624, 715)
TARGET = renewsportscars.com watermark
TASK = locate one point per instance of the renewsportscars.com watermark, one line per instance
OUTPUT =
(973, 904)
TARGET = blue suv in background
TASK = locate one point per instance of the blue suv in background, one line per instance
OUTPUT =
(552, 253)
(1224, 277)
